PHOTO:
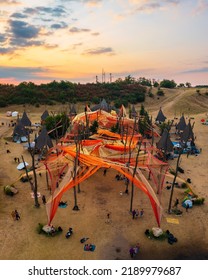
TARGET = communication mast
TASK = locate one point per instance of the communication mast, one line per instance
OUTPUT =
(103, 76)
(110, 77)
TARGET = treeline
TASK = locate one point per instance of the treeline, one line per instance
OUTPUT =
(68, 92)
(122, 91)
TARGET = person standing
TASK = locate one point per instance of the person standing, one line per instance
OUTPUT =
(176, 203)
(141, 213)
(17, 216)
(44, 199)
(131, 252)
(133, 214)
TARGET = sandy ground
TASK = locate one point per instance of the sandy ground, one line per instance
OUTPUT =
(100, 195)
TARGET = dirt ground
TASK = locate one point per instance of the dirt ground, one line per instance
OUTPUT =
(99, 196)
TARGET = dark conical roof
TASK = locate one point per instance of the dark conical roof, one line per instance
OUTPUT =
(165, 143)
(44, 115)
(182, 124)
(43, 139)
(20, 130)
(25, 120)
(102, 106)
(73, 110)
(133, 112)
(160, 116)
(187, 133)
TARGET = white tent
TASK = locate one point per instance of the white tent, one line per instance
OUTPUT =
(21, 165)
(14, 114)
(9, 113)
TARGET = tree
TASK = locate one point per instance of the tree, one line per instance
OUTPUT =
(144, 121)
(168, 84)
(94, 127)
(57, 125)
(145, 82)
(155, 84)
(188, 84)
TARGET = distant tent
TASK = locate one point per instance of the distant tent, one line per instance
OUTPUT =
(160, 116)
(165, 143)
(72, 111)
(25, 120)
(102, 106)
(14, 114)
(133, 113)
(9, 113)
(181, 125)
(43, 140)
(19, 132)
(44, 115)
(187, 133)
(122, 112)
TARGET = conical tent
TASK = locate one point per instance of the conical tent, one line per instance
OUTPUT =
(44, 115)
(122, 112)
(160, 116)
(133, 112)
(43, 139)
(187, 133)
(25, 120)
(182, 124)
(72, 111)
(19, 130)
(165, 143)
(104, 105)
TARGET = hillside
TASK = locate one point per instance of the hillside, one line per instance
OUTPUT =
(174, 102)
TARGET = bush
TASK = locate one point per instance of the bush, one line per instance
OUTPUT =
(172, 172)
(184, 185)
(198, 201)
(150, 94)
(39, 228)
(177, 211)
(160, 92)
(10, 190)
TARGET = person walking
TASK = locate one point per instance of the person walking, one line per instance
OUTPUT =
(44, 199)
(131, 252)
(176, 203)
(17, 216)
(141, 213)
(133, 214)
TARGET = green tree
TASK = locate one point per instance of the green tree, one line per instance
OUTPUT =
(94, 127)
(145, 82)
(168, 84)
(188, 84)
(57, 125)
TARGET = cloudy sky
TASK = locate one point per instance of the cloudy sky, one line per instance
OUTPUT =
(76, 40)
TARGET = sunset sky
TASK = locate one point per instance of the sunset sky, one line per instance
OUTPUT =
(75, 40)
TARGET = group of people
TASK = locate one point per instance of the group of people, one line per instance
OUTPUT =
(133, 251)
(136, 213)
(15, 215)
(88, 247)
(16, 159)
